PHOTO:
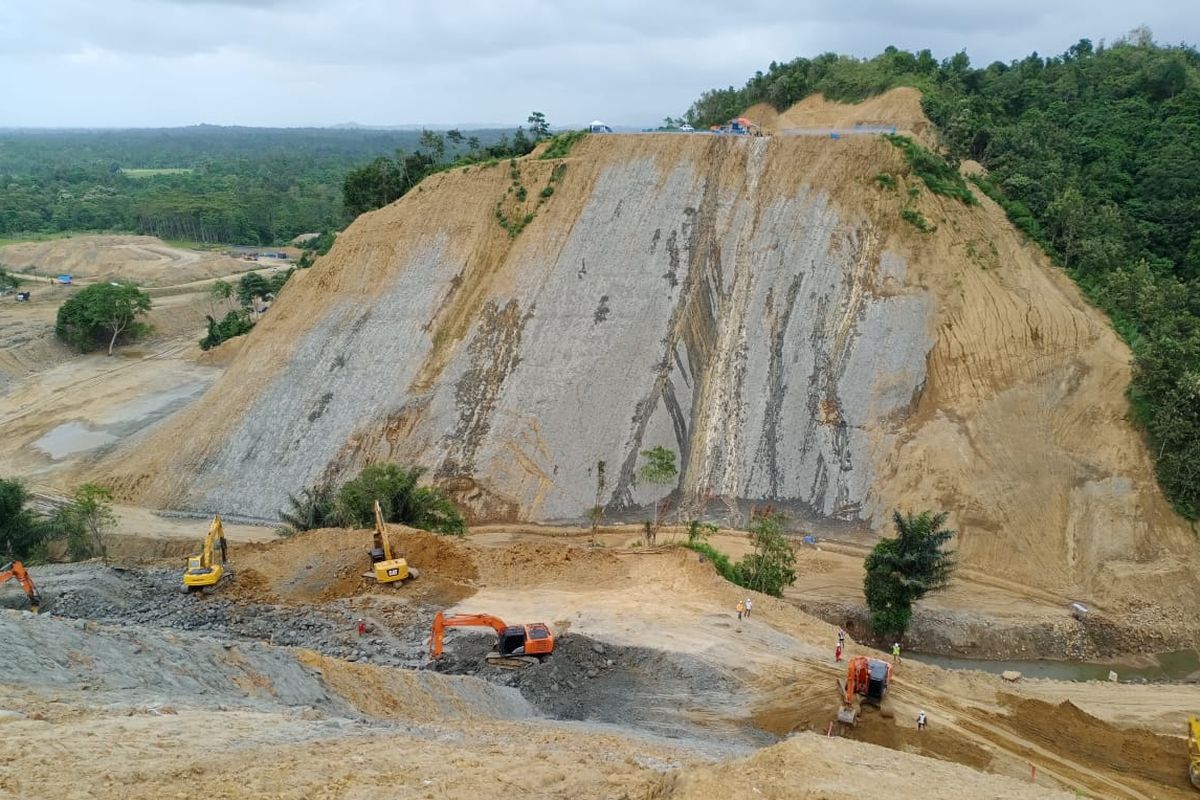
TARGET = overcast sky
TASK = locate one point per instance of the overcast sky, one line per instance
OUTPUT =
(322, 62)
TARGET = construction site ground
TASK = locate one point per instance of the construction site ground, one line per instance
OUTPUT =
(656, 689)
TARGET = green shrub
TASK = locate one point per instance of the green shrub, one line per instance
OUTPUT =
(401, 499)
(235, 323)
(720, 561)
(940, 177)
(521, 193)
(916, 219)
(886, 181)
(549, 190)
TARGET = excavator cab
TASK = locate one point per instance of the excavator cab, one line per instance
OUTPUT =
(525, 640)
(867, 678)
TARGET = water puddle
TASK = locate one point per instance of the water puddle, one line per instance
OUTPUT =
(70, 438)
(1180, 665)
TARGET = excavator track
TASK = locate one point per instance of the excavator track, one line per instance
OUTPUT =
(511, 662)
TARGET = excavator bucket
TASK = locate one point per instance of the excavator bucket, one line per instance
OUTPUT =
(846, 713)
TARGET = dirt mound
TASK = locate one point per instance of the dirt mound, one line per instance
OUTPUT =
(328, 564)
(418, 696)
(545, 563)
(1065, 728)
(899, 107)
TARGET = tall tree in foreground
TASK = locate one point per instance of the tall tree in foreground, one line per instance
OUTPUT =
(100, 314)
(901, 571)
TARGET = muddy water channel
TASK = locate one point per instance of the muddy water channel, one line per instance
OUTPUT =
(1178, 666)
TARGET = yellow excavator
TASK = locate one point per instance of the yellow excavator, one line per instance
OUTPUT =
(385, 567)
(1194, 751)
(203, 571)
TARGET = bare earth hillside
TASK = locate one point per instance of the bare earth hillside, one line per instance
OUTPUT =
(756, 305)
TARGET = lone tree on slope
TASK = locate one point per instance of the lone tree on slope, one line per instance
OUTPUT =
(901, 571)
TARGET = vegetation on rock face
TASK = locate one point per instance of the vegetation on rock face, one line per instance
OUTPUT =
(1095, 154)
(235, 323)
(401, 499)
(940, 177)
(560, 146)
(901, 571)
(100, 314)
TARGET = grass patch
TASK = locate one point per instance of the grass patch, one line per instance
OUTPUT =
(885, 181)
(917, 220)
(560, 146)
(721, 562)
(940, 177)
(152, 172)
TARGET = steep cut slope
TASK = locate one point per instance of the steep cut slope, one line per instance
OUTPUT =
(755, 304)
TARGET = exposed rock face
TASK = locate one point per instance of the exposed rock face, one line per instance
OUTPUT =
(755, 305)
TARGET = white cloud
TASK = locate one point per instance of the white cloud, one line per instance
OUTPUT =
(281, 62)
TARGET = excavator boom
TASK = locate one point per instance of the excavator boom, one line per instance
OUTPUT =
(381, 538)
(16, 571)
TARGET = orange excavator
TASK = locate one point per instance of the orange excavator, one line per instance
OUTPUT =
(517, 646)
(867, 678)
(15, 570)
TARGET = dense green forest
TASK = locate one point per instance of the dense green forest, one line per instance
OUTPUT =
(203, 183)
(1095, 154)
